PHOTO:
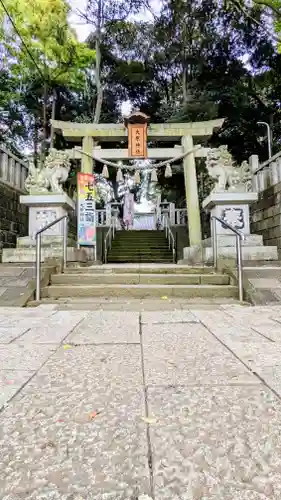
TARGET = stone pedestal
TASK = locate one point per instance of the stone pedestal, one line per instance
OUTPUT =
(43, 209)
(233, 208)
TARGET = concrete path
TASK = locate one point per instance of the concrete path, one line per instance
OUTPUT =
(114, 405)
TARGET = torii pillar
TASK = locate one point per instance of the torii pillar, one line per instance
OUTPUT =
(87, 161)
(191, 193)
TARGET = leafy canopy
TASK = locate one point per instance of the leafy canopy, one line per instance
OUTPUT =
(40, 40)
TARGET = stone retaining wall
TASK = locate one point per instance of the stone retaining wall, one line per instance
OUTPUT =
(13, 216)
(266, 216)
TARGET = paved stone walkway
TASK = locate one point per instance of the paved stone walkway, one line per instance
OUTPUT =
(113, 405)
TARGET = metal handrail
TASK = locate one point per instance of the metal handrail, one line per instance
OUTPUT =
(38, 250)
(239, 236)
(166, 226)
(109, 237)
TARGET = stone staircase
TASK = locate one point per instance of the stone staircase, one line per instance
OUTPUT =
(140, 247)
(140, 281)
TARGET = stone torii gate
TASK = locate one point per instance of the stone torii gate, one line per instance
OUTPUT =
(93, 136)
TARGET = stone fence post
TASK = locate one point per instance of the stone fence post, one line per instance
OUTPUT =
(13, 170)
(172, 214)
(254, 165)
(108, 214)
(266, 174)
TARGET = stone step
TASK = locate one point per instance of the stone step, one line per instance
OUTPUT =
(139, 245)
(138, 305)
(140, 291)
(140, 255)
(140, 269)
(142, 232)
(25, 242)
(137, 259)
(249, 254)
(141, 250)
(128, 252)
(267, 272)
(27, 255)
(262, 263)
(230, 240)
(139, 237)
(134, 279)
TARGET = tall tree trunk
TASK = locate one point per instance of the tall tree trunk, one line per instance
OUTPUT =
(99, 99)
(44, 142)
(35, 142)
(98, 84)
(53, 117)
(184, 85)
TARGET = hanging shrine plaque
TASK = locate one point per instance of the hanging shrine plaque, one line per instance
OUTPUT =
(137, 140)
(136, 125)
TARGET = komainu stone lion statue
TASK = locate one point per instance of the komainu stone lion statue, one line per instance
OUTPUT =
(220, 166)
(51, 176)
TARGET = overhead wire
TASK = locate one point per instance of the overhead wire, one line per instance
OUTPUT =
(22, 40)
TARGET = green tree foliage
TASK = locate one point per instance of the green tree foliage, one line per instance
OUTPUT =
(270, 15)
(192, 61)
(198, 61)
(43, 54)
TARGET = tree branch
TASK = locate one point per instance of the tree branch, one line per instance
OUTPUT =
(240, 8)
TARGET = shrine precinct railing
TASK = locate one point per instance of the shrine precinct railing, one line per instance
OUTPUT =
(177, 218)
(13, 170)
(265, 174)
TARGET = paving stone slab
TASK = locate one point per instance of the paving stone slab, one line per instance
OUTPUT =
(11, 271)
(178, 316)
(260, 323)
(272, 376)
(265, 282)
(25, 312)
(276, 314)
(2, 291)
(79, 368)
(22, 323)
(222, 443)
(102, 327)
(176, 333)
(8, 282)
(269, 329)
(13, 316)
(186, 355)
(11, 333)
(10, 383)
(225, 327)
(53, 330)
(24, 357)
(60, 448)
(255, 354)
(252, 313)
(225, 333)
(73, 317)
(46, 334)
